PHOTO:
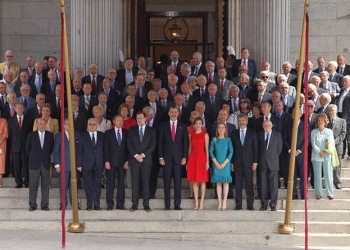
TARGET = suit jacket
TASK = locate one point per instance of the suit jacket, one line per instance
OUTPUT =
(33, 113)
(17, 90)
(338, 78)
(201, 70)
(31, 77)
(178, 67)
(57, 150)
(312, 74)
(146, 147)
(77, 92)
(18, 137)
(114, 153)
(268, 156)
(291, 80)
(210, 110)
(346, 70)
(46, 78)
(287, 137)
(332, 87)
(93, 102)
(80, 123)
(121, 73)
(89, 155)
(46, 89)
(55, 110)
(192, 100)
(273, 118)
(254, 96)
(247, 154)
(184, 116)
(159, 113)
(98, 78)
(226, 92)
(169, 150)
(318, 70)
(15, 68)
(197, 93)
(30, 102)
(170, 95)
(36, 154)
(339, 133)
(251, 67)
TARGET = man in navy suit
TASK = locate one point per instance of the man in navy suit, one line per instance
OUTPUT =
(173, 146)
(94, 78)
(202, 91)
(249, 63)
(40, 144)
(141, 144)
(28, 101)
(66, 187)
(87, 101)
(245, 161)
(49, 87)
(90, 162)
(299, 154)
(116, 161)
(24, 81)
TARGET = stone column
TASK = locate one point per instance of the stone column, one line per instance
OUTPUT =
(234, 25)
(97, 33)
(265, 31)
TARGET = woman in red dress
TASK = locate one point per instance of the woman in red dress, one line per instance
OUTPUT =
(198, 161)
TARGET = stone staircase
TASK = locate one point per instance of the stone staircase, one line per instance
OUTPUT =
(329, 221)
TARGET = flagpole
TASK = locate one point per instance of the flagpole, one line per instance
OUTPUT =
(75, 226)
(287, 228)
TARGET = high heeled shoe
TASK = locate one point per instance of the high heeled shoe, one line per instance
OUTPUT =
(201, 206)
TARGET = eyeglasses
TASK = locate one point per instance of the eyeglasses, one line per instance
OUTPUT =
(264, 77)
(92, 124)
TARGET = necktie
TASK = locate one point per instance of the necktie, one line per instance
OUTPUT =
(341, 70)
(141, 134)
(196, 71)
(242, 137)
(330, 78)
(20, 123)
(245, 63)
(75, 115)
(138, 91)
(30, 71)
(173, 92)
(119, 138)
(8, 66)
(164, 104)
(25, 103)
(222, 86)
(267, 141)
(93, 84)
(266, 118)
(40, 113)
(42, 140)
(93, 141)
(235, 108)
(12, 111)
(173, 132)
(58, 76)
(332, 122)
(58, 104)
(210, 80)
(87, 102)
(107, 92)
(260, 98)
(2, 100)
(179, 110)
(186, 101)
(202, 92)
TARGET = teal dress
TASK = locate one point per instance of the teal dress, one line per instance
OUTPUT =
(221, 149)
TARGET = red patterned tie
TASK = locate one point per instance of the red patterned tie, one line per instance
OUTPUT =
(173, 131)
(222, 86)
(245, 63)
(210, 80)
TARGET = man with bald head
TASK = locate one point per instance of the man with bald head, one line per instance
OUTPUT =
(9, 64)
(30, 69)
(174, 61)
(94, 78)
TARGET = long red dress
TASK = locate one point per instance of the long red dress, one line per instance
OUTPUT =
(196, 166)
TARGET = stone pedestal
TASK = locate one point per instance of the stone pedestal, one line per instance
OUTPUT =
(265, 31)
(97, 33)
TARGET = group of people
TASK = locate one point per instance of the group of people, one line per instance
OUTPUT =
(215, 123)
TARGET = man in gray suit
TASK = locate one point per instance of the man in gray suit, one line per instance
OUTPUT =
(270, 145)
(338, 126)
(224, 84)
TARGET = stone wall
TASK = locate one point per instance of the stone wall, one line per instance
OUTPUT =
(329, 29)
(31, 27)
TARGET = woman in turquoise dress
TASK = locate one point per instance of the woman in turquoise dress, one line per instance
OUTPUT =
(221, 152)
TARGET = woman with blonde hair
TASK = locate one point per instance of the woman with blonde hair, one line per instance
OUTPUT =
(102, 123)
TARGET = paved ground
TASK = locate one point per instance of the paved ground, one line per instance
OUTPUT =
(30, 240)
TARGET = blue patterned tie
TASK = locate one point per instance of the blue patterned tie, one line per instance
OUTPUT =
(141, 134)
(119, 138)
(242, 137)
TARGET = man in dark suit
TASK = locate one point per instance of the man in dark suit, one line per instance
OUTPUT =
(94, 78)
(291, 79)
(165, 103)
(202, 91)
(77, 87)
(338, 126)
(39, 147)
(299, 154)
(212, 77)
(48, 88)
(24, 78)
(249, 63)
(116, 161)
(184, 113)
(141, 144)
(90, 162)
(35, 112)
(27, 100)
(30, 69)
(113, 99)
(245, 161)
(321, 62)
(189, 101)
(199, 67)
(126, 76)
(333, 75)
(173, 88)
(173, 144)
(19, 128)
(66, 186)
(56, 103)
(213, 104)
(343, 68)
(270, 146)
(174, 61)
(79, 115)
(267, 115)
(88, 101)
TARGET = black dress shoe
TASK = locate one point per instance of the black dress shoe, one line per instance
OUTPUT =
(337, 186)
(147, 209)
(295, 197)
(109, 208)
(230, 197)
(153, 197)
(33, 208)
(133, 208)
(262, 209)
(257, 197)
(79, 208)
(251, 208)
(177, 208)
(166, 209)
(18, 186)
(97, 208)
(60, 208)
(238, 208)
(89, 208)
(45, 208)
(121, 208)
(273, 209)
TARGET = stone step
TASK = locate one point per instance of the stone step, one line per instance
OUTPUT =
(316, 241)
(10, 182)
(323, 204)
(173, 215)
(185, 193)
